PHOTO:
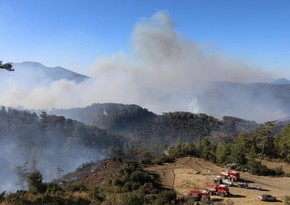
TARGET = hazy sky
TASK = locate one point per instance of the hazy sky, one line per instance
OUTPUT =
(75, 33)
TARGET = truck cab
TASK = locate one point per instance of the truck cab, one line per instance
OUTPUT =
(218, 189)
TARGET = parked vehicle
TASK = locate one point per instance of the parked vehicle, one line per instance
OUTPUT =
(254, 186)
(218, 189)
(218, 179)
(227, 181)
(242, 185)
(199, 195)
(267, 197)
(221, 180)
(231, 174)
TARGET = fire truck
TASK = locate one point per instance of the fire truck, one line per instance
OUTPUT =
(218, 189)
(198, 195)
(232, 175)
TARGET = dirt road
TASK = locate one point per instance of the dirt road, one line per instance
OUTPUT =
(194, 173)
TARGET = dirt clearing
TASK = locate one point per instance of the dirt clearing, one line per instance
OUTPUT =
(193, 173)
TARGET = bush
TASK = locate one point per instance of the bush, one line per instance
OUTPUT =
(35, 184)
(279, 171)
(258, 169)
(146, 161)
(96, 195)
(53, 188)
(162, 159)
(2, 196)
(140, 177)
(130, 186)
(165, 197)
(287, 200)
(75, 187)
(148, 188)
(116, 182)
(133, 198)
(130, 166)
(182, 149)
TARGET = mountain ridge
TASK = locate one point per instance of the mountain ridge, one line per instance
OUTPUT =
(52, 73)
(260, 101)
(136, 122)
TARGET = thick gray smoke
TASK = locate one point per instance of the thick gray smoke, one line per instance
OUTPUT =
(51, 160)
(164, 72)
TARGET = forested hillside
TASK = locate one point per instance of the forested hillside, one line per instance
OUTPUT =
(48, 143)
(35, 146)
(136, 122)
(29, 140)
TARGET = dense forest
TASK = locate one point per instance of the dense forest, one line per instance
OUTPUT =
(39, 148)
(246, 150)
(48, 141)
(138, 123)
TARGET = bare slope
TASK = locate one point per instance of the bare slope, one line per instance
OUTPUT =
(194, 173)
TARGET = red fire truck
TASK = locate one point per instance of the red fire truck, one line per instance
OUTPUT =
(218, 189)
(232, 175)
(198, 195)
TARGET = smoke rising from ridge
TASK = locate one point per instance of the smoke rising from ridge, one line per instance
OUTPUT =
(165, 72)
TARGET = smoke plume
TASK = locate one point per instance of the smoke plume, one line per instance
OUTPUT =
(164, 71)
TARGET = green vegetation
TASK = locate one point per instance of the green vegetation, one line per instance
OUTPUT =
(43, 141)
(145, 126)
(287, 200)
(132, 184)
(33, 131)
(246, 149)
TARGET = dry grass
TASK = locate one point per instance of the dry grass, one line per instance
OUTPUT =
(275, 164)
(193, 173)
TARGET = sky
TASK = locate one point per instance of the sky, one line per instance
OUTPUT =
(163, 55)
(76, 33)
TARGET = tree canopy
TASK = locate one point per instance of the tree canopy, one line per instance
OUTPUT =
(6, 66)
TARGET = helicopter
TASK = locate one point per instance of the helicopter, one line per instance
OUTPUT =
(6, 66)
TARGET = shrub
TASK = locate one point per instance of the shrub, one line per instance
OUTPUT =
(165, 197)
(96, 196)
(258, 169)
(53, 188)
(34, 181)
(146, 161)
(279, 171)
(287, 200)
(75, 187)
(130, 186)
(148, 188)
(2, 196)
(130, 166)
(162, 159)
(133, 198)
(140, 177)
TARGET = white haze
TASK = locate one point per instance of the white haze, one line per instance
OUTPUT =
(164, 72)
(49, 156)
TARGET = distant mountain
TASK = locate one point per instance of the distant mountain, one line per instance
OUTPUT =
(257, 101)
(282, 81)
(33, 74)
